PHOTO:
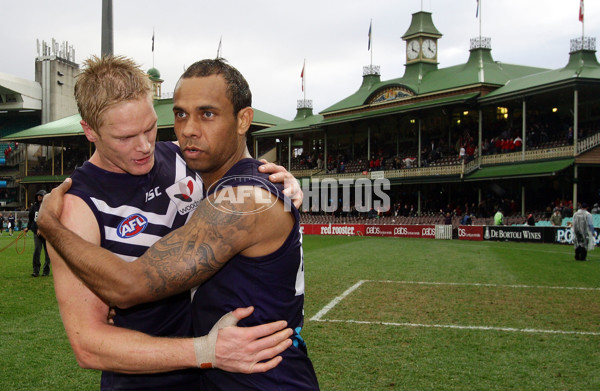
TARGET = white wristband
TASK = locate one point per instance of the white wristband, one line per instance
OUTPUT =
(205, 347)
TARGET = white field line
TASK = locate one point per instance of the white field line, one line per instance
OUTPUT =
(335, 301)
(319, 316)
(487, 285)
(450, 326)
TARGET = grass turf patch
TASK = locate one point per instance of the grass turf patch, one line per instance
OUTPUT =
(35, 353)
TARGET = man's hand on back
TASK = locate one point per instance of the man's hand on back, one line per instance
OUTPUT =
(51, 208)
(279, 174)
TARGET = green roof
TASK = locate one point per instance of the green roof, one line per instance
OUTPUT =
(164, 112)
(460, 98)
(154, 74)
(582, 65)
(69, 126)
(266, 119)
(370, 84)
(521, 170)
(478, 70)
(421, 24)
(304, 120)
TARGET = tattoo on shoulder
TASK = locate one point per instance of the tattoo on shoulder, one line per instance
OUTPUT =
(218, 214)
(192, 254)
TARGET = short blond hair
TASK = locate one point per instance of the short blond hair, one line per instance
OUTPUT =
(105, 82)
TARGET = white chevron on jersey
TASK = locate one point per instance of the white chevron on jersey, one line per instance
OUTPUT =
(126, 258)
(127, 210)
(300, 273)
(141, 239)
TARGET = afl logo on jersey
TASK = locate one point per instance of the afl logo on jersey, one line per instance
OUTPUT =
(132, 225)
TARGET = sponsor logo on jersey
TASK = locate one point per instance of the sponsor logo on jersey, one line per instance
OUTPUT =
(187, 189)
(132, 225)
(186, 194)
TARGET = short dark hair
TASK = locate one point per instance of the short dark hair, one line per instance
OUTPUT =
(238, 90)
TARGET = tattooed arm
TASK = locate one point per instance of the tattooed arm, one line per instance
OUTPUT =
(179, 261)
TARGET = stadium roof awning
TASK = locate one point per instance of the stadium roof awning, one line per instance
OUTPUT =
(68, 126)
(44, 179)
(522, 170)
(455, 99)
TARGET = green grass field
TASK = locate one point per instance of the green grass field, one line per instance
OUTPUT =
(381, 314)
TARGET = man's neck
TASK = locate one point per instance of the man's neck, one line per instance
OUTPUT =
(210, 178)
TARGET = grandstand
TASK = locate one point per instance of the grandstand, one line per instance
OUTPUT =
(521, 144)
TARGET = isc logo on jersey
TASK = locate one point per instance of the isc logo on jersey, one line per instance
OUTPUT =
(186, 194)
(132, 225)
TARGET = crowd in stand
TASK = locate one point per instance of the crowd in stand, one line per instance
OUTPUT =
(71, 159)
(540, 135)
(558, 213)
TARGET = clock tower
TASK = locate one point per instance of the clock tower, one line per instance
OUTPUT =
(421, 45)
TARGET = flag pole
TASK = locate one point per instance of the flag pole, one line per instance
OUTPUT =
(152, 47)
(369, 47)
(582, 12)
(302, 76)
(480, 8)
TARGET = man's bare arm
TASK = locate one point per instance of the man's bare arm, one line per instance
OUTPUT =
(181, 260)
(100, 345)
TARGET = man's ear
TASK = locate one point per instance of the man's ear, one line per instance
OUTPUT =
(245, 117)
(90, 133)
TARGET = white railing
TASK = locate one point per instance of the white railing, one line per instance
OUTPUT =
(471, 166)
(588, 143)
(536, 154)
(306, 173)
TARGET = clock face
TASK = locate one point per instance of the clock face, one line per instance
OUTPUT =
(412, 49)
(429, 48)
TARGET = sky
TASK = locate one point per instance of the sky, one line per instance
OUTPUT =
(269, 41)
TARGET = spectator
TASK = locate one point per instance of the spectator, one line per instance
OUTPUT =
(372, 214)
(38, 240)
(583, 233)
(11, 224)
(466, 219)
(570, 136)
(556, 218)
(518, 143)
(530, 220)
(470, 152)
(499, 217)
(448, 219)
